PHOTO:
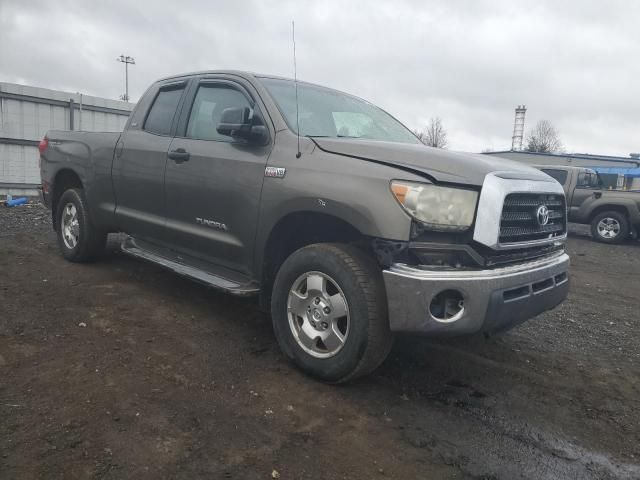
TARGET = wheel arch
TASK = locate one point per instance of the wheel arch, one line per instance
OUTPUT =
(296, 230)
(623, 209)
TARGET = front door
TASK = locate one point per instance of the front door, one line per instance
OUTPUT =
(587, 184)
(213, 183)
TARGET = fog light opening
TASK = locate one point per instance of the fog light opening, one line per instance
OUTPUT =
(447, 306)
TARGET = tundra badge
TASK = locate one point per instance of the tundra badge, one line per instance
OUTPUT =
(211, 223)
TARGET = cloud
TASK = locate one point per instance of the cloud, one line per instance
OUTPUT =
(468, 62)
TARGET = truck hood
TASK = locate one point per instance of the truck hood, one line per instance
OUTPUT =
(438, 164)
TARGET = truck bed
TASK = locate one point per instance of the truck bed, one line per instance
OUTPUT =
(90, 156)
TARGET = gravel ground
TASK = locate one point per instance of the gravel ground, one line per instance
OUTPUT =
(119, 369)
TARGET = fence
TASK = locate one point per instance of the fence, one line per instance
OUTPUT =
(26, 113)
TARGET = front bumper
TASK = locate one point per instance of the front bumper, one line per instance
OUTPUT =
(494, 300)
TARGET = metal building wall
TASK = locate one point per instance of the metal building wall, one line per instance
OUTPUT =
(26, 113)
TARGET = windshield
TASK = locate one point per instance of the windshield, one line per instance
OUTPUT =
(328, 113)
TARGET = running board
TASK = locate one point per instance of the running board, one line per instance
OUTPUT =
(221, 280)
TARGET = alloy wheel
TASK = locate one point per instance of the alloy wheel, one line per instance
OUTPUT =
(608, 227)
(70, 226)
(318, 314)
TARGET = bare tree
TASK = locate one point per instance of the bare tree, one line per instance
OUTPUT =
(544, 138)
(419, 134)
(434, 135)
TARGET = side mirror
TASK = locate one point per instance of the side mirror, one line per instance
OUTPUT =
(242, 122)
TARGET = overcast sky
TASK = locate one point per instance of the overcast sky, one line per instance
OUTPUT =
(469, 62)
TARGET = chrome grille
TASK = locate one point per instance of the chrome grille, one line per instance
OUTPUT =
(521, 221)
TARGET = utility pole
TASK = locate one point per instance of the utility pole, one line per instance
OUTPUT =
(126, 60)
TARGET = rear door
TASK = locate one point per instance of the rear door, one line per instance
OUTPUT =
(213, 183)
(140, 160)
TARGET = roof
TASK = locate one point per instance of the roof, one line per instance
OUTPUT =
(562, 167)
(627, 172)
(204, 72)
(238, 73)
(584, 156)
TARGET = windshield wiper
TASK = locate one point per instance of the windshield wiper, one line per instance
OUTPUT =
(331, 136)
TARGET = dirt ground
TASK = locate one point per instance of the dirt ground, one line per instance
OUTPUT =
(119, 369)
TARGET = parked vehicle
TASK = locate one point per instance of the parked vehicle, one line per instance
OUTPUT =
(348, 232)
(614, 215)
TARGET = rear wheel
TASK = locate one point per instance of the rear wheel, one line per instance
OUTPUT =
(79, 240)
(610, 227)
(329, 312)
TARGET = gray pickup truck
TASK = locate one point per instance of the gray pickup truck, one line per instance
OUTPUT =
(614, 215)
(346, 227)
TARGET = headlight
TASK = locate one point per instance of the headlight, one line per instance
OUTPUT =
(439, 208)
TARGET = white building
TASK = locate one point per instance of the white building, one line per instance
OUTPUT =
(26, 113)
(616, 172)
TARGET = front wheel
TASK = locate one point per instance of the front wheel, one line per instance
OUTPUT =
(610, 227)
(329, 312)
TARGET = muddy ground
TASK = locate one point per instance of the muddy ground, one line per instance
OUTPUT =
(119, 369)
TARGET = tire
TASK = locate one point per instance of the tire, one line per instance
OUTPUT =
(610, 227)
(350, 275)
(82, 241)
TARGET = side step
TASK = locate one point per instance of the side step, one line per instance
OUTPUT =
(217, 277)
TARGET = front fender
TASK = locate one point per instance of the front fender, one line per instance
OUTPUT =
(365, 203)
(593, 204)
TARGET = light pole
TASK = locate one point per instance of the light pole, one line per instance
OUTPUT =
(126, 60)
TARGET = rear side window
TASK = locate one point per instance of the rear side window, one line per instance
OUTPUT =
(559, 175)
(589, 179)
(163, 110)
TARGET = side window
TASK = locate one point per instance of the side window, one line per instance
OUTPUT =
(588, 179)
(162, 111)
(559, 175)
(210, 102)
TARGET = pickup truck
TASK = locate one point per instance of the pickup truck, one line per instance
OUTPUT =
(345, 226)
(614, 215)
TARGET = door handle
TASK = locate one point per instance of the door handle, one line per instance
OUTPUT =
(179, 155)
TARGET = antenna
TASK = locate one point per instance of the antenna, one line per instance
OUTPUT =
(295, 81)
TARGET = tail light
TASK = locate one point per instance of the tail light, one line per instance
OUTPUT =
(43, 145)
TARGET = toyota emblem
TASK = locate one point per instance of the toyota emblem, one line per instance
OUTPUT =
(542, 215)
